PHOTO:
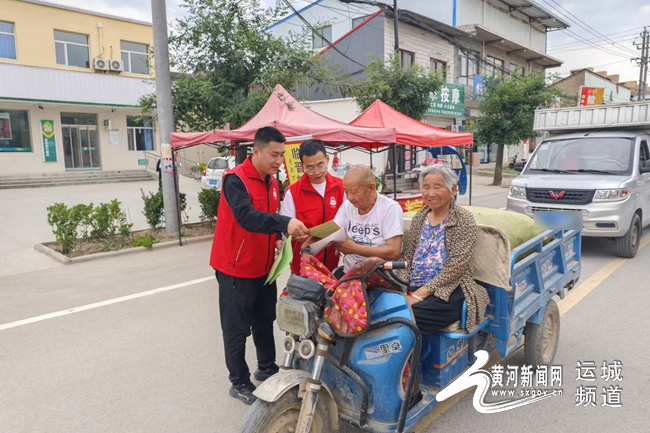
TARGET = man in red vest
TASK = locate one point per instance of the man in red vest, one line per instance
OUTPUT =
(247, 234)
(314, 199)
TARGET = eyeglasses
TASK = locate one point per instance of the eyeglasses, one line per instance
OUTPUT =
(318, 168)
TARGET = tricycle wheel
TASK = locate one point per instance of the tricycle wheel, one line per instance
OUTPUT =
(281, 416)
(628, 245)
(542, 340)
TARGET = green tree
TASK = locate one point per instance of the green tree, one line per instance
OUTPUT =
(405, 89)
(228, 65)
(508, 110)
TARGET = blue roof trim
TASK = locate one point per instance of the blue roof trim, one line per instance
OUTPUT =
(292, 15)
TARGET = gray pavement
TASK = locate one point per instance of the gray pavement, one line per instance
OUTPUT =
(155, 363)
(23, 216)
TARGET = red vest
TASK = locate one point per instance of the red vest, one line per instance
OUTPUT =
(313, 209)
(235, 251)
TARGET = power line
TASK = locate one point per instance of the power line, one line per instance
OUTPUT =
(627, 32)
(583, 25)
(308, 24)
(581, 39)
(583, 48)
(573, 44)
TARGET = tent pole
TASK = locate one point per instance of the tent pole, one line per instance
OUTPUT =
(371, 159)
(471, 162)
(178, 198)
(394, 171)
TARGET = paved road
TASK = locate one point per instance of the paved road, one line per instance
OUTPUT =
(154, 363)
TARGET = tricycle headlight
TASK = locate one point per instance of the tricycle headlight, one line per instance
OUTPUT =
(297, 317)
(517, 192)
(611, 194)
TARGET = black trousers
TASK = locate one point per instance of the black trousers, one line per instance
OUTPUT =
(433, 313)
(245, 305)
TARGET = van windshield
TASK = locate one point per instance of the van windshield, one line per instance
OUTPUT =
(218, 164)
(603, 155)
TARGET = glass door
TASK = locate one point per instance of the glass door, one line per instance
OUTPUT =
(80, 142)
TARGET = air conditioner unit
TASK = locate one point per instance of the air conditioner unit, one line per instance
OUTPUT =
(100, 64)
(116, 65)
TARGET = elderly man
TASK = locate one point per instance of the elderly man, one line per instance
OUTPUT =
(374, 222)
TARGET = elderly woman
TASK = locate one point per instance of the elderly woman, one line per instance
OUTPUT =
(439, 249)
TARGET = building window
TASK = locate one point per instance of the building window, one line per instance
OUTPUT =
(516, 70)
(359, 20)
(71, 49)
(139, 131)
(468, 68)
(319, 42)
(407, 58)
(493, 66)
(7, 41)
(135, 57)
(14, 131)
(439, 67)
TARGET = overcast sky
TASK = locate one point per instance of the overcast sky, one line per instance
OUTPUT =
(618, 23)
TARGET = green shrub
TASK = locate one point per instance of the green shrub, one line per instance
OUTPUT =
(83, 213)
(153, 208)
(146, 241)
(209, 202)
(108, 219)
(64, 223)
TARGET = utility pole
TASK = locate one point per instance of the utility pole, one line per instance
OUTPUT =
(642, 62)
(396, 25)
(165, 114)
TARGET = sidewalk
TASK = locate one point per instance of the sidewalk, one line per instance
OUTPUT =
(23, 216)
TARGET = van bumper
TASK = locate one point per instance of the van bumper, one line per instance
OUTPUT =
(599, 219)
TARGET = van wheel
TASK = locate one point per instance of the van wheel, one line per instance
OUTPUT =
(542, 340)
(628, 245)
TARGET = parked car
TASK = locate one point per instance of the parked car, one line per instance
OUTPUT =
(601, 172)
(213, 173)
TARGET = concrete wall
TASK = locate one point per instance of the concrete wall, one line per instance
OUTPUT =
(424, 44)
(35, 24)
(113, 158)
(614, 93)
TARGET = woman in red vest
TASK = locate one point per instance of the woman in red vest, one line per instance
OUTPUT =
(314, 199)
(245, 239)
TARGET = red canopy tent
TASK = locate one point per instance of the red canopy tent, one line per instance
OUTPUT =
(410, 132)
(293, 119)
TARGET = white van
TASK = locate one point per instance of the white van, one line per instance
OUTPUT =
(603, 173)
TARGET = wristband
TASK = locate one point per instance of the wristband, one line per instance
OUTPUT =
(416, 297)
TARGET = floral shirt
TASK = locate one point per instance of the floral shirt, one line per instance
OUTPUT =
(430, 255)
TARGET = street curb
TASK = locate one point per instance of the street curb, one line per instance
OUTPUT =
(491, 174)
(67, 261)
(54, 254)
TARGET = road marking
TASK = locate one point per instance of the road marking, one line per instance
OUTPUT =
(102, 303)
(573, 298)
(579, 293)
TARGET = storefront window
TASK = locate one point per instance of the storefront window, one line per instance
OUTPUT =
(140, 133)
(14, 131)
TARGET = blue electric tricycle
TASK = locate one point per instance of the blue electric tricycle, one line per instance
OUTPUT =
(368, 380)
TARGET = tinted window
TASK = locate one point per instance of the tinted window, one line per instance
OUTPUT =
(218, 164)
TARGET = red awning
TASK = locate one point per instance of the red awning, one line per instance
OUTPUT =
(293, 119)
(410, 132)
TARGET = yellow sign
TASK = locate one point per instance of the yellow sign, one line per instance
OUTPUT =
(591, 96)
(292, 162)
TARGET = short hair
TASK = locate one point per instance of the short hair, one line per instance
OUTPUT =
(448, 175)
(361, 173)
(311, 148)
(267, 134)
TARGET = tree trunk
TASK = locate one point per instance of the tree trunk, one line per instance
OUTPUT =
(241, 152)
(498, 168)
